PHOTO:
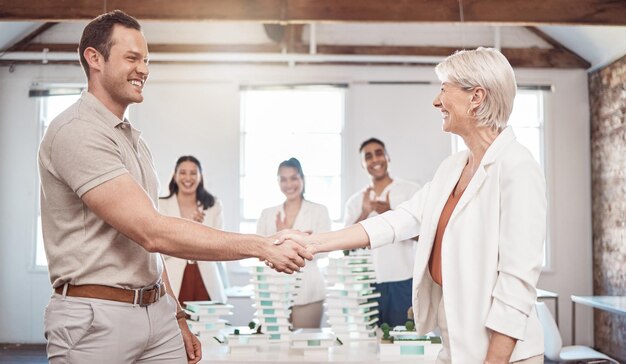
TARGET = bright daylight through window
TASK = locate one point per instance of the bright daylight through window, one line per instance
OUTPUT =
(277, 124)
(49, 108)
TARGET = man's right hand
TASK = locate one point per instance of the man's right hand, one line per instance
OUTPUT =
(287, 257)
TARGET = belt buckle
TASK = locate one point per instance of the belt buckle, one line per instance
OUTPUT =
(156, 287)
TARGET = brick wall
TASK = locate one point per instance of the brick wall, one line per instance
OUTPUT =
(607, 97)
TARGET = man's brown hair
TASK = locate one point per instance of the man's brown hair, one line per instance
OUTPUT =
(97, 34)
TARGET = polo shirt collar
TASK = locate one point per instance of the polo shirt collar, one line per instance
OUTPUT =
(103, 113)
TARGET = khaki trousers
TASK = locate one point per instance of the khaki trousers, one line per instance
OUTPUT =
(85, 330)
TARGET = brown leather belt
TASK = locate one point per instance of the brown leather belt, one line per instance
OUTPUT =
(143, 296)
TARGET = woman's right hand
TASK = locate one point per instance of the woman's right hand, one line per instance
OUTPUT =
(352, 237)
(303, 238)
(198, 216)
(281, 223)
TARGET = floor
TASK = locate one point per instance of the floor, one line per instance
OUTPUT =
(23, 353)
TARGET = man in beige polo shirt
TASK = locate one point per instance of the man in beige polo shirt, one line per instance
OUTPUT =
(102, 231)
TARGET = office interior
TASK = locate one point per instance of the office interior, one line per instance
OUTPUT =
(381, 59)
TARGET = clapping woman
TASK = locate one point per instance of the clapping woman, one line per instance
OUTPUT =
(192, 280)
(298, 213)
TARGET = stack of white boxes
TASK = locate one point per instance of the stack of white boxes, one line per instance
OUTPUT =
(313, 341)
(351, 304)
(273, 298)
(205, 319)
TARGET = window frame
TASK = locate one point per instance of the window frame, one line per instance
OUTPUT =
(43, 94)
(243, 134)
(335, 223)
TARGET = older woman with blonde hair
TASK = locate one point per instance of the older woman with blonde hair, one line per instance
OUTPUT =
(481, 222)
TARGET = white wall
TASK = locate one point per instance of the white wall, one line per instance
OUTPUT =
(195, 110)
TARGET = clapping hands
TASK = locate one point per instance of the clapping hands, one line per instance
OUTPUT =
(198, 215)
(372, 204)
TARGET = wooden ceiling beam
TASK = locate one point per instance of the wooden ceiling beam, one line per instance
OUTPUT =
(541, 58)
(170, 48)
(518, 12)
(519, 57)
(21, 44)
(31, 62)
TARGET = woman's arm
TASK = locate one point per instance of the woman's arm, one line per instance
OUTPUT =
(391, 227)
(500, 348)
(352, 237)
(520, 251)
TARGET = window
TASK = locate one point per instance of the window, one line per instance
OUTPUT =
(304, 122)
(527, 121)
(49, 108)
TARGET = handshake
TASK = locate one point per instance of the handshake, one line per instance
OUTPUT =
(288, 250)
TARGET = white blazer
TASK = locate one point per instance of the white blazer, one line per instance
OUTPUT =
(492, 249)
(208, 270)
(311, 217)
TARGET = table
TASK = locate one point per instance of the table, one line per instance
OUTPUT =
(553, 296)
(613, 304)
(352, 352)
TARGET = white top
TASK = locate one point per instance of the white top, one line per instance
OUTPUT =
(492, 249)
(208, 270)
(392, 262)
(311, 217)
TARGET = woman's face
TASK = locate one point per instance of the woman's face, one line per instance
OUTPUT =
(454, 103)
(290, 182)
(187, 177)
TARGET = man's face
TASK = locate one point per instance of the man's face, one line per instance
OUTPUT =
(375, 160)
(126, 71)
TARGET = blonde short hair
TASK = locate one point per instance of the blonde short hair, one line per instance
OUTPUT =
(489, 69)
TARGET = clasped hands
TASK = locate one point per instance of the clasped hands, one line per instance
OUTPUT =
(289, 250)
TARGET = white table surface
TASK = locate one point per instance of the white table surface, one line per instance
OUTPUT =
(546, 294)
(614, 304)
(352, 352)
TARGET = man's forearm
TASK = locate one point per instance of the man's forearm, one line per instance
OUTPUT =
(189, 240)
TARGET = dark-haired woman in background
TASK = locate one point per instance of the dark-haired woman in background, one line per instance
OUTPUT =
(191, 280)
(298, 213)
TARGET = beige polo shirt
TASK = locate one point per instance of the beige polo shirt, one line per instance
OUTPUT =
(85, 146)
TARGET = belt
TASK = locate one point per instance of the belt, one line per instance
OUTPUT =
(143, 296)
